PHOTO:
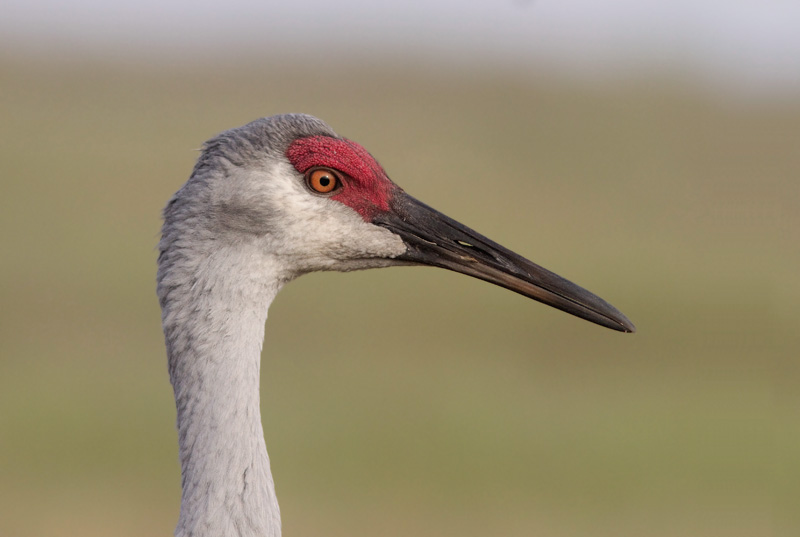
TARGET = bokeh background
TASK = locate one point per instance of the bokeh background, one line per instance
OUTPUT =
(650, 151)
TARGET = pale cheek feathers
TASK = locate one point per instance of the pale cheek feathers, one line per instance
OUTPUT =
(318, 232)
(337, 233)
(374, 242)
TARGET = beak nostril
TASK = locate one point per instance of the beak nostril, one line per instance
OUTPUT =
(477, 251)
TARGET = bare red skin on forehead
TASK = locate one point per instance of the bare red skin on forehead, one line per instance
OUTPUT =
(366, 189)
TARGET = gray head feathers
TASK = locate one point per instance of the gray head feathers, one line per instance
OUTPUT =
(220, 189)
(265, 138)
(245, 196)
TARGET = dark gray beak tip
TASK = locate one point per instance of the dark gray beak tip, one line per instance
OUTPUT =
(626, 325)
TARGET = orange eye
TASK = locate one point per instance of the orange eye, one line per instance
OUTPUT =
(322, 180)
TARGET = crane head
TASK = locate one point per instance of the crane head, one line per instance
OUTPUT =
(318, 201)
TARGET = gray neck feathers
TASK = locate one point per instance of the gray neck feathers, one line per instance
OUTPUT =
(214, 300)
(217, 275)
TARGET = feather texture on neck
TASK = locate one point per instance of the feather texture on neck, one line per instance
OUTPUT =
(214, 306)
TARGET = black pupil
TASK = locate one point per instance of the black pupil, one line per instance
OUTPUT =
(324, 180)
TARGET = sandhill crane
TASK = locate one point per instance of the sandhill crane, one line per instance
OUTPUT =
(267, 202)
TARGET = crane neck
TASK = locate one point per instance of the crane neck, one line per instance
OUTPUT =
(214, 306)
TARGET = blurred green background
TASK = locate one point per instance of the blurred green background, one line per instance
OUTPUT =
(416, 401)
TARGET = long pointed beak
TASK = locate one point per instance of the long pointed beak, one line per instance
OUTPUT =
(437, 240)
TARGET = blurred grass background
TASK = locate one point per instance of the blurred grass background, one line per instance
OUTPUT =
(417, 401)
